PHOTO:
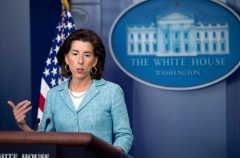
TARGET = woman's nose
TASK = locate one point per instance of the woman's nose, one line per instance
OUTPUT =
(80, 60)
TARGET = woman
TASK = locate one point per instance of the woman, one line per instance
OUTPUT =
(85, 102)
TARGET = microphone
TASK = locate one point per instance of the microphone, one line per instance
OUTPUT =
(47, 123)
(36, 124)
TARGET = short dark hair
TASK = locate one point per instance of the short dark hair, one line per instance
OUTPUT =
(84, 35)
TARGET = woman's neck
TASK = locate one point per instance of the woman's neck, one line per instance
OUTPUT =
(76, 85)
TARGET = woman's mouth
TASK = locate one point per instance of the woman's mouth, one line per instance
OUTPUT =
(79, 70)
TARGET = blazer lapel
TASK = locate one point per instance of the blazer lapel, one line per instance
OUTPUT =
(92, 92)
(64, 93)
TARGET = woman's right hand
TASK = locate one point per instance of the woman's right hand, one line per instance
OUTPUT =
(19, 112)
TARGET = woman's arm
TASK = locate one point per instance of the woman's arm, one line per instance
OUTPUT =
(121, 125)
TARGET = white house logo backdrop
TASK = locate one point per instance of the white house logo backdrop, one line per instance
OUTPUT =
(177, 45)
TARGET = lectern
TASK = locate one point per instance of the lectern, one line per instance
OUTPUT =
(55, 145)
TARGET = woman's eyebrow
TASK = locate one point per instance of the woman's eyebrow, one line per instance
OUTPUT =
(75, 50)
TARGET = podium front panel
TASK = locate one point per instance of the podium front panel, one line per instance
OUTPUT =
(27, 151)
(44, 151)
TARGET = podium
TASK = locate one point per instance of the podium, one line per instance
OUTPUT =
(55, 145)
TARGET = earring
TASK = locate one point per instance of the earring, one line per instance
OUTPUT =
(68, 70)
(95, 71)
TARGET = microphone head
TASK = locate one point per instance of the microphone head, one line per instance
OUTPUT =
(36, 124)
(47, 123)
(48, 120)
(37, 120)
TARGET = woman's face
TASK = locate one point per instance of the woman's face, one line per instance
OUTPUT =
(81, 59)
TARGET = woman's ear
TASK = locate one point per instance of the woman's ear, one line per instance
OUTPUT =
(66, 59)
(95, 61)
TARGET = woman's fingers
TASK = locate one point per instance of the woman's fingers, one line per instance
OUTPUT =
(11, 104)
(21, 107)
(18, 105)
(22, 104)
(20, 115)
(20, 110)
(21, 120)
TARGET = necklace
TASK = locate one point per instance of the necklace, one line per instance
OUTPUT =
(77, 96)
(73, 94)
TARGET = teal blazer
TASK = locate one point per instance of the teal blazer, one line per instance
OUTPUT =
(102, 112)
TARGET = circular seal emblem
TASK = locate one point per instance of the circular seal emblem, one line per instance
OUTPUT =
(81, 17)
(176, 45)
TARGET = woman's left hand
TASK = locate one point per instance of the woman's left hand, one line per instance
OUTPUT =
(119, 148)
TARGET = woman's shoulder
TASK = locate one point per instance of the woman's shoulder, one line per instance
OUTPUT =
(107, 86)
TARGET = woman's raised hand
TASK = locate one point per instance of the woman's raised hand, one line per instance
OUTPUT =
(19, 112)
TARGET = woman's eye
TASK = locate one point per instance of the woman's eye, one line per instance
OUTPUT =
(87, 54)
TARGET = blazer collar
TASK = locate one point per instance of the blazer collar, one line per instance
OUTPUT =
(91, 93)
